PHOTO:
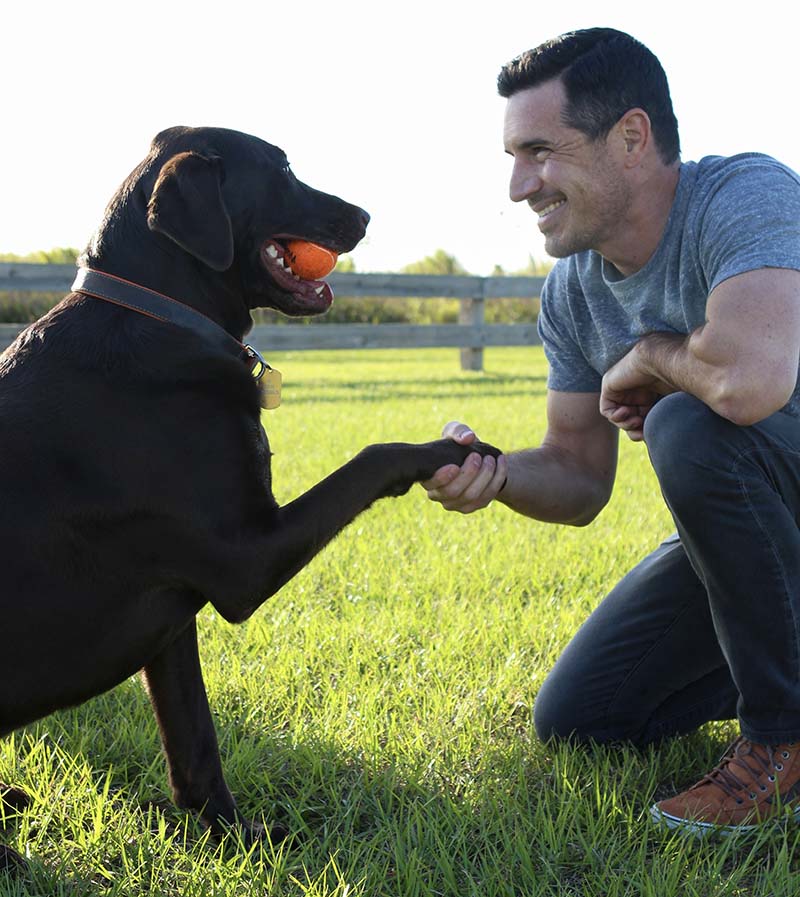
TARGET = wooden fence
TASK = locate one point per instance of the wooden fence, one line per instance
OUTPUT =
(471, 335)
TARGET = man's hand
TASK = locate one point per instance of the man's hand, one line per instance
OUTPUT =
(473, 485)
(628, 393)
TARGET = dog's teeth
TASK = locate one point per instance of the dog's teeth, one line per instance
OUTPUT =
(281, 263)
(272, 251)
(319, 290)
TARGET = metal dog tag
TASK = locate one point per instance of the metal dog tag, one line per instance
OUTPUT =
(270, 383)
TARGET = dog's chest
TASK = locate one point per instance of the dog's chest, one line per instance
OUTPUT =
(262, 456)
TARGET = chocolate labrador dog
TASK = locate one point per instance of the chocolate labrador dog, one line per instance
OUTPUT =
(134, 470)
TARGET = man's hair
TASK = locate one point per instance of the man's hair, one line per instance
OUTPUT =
(605, 73)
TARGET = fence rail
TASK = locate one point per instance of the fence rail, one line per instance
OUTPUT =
(471, 335)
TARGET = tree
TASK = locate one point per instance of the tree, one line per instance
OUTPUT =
(535, 268)
(345, 265)
(61, 255)
(440, 262)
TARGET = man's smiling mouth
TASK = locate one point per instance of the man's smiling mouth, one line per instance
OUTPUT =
(550, 207)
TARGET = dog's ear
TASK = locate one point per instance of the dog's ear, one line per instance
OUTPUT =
(187, 206)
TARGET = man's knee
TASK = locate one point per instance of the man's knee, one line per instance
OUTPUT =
(552, 718)
(677, 423)
(686, 442)
(559, 714)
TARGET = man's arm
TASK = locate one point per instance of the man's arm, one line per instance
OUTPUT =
(568, 479)
(742, 362)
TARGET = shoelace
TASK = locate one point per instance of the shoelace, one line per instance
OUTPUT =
(739, 752)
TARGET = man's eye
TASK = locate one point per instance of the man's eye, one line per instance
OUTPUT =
(540, 153)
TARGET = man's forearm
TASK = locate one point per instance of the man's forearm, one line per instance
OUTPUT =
(738, 385)
(547, 484)
(684, 363)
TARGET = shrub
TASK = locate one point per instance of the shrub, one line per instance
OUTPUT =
(18, 307)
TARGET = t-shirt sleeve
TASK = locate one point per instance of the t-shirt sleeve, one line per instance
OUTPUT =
(751, 221)
(569, 370)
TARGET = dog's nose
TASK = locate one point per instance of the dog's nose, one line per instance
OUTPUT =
(352, 227)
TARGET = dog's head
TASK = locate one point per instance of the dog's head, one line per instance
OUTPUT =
(226, 198)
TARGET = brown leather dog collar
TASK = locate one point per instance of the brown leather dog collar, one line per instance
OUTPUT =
(164, 308)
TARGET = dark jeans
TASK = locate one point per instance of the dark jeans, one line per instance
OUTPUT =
(708, 626)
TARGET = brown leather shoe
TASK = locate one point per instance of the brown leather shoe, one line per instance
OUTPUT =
(752, 784)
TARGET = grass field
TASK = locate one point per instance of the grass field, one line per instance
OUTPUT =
(380, 704)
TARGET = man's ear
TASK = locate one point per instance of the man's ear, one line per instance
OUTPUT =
(187, 206)
(636, 134)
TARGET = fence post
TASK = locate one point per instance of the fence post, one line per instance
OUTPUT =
(471, 314)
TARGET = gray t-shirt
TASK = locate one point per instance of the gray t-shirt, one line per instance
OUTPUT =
(729, 215)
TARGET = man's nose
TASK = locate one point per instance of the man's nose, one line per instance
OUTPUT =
(525, 182)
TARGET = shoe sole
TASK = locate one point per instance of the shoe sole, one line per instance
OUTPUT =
(704, 829)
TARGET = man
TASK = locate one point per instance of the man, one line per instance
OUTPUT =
(672, 314)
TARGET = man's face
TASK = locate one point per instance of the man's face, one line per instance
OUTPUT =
(574, 185)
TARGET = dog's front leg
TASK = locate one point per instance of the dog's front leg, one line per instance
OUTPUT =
(174, 682)
(297, 531)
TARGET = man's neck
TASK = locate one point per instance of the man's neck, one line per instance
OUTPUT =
(638, 238)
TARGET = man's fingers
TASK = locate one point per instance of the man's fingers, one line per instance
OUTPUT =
(630, 424)
(623, 416)
(449, 483)
(443, 477)
(478, 482)
(471, 486)
(476, 474)
(454, 486)
(459, 432)
(618, 415)
(485, 487)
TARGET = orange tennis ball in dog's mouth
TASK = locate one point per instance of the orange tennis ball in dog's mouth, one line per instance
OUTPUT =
(309, 260)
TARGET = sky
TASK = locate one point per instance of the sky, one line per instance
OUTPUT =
(391, 106)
